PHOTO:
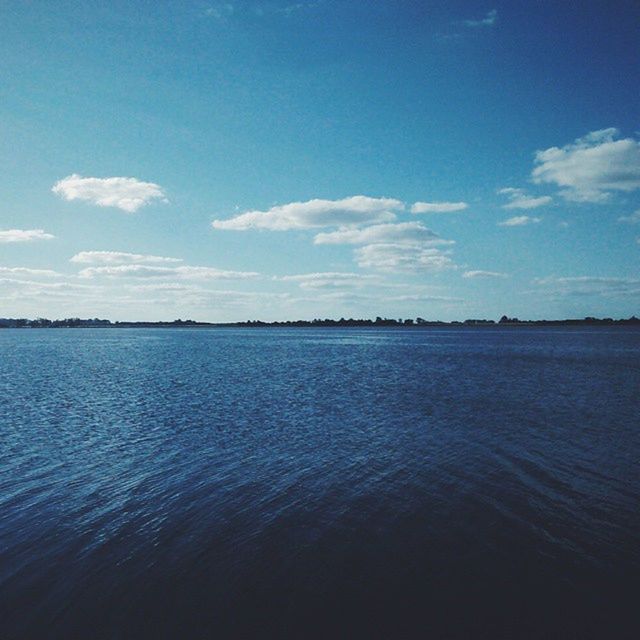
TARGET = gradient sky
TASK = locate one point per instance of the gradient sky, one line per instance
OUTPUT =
(282, 160)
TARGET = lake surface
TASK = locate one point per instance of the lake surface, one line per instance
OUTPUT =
(338, 483)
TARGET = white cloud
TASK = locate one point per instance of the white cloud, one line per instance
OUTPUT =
(519, 221)
(401, 247)
(633, 218)
(24, 235)
(438, 207)
(211, 273)
(406, 247)
(330, 279)
(127, 194)
(404, 232)
(378, 298)
(585, 280)
(224, 11)
(488, 21)
(59, 286)
(293, 8)
(591, 167)
(398, 257)
(219, 11)
(24, 271)
(185, 272)
(355, 210)
(520, 200)
(166, 287)
(18, 291)
(590, 286)
(484, 274)
(118, 257)
(419, 297)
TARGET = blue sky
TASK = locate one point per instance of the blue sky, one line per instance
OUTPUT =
(279, 160)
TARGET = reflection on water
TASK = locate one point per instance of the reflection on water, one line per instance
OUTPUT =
(297, 483)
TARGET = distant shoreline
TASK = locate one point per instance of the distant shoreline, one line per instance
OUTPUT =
(96, 323)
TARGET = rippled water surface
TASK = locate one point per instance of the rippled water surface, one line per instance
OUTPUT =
(334, 483)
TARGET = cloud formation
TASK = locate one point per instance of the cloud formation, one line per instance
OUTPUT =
(518, 199)
(395, 247)
(519, 221)
(488, 21)
(590, 168)
(405, 232)
(478, 273)
(355, 210)
(219, 11)
(19, 290)
(399, 257)
(378, 298)
(633, 218)
(224, 11)
(184, 272)
(25, 271)
(360, 220)
(298, 6)
(118, 257)
(590, 286)
(24, 235)
(438, 207)
(126, 194)
(330, 279)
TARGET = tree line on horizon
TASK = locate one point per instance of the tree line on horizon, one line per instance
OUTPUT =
(45, 323)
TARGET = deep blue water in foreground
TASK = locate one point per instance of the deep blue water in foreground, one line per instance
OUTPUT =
(320, 483)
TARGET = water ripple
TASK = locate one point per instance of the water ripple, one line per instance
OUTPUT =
(319, 483)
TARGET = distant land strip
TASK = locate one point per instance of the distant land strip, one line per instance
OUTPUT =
(79, 323)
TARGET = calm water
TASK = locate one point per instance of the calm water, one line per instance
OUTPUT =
(333, 483)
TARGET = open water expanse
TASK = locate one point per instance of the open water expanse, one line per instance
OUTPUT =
(338, 483)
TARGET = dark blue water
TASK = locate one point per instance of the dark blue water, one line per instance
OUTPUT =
(320, 483)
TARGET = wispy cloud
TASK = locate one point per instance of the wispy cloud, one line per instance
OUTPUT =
(118, 257)
(404, 232)
(295, 7)
(25, 271)
(219, 10)
(590, 286)
(329, 280)
(175, 287)
(24, 235)
(633, 218)
(519, 199)
(18, 290)
(224, 11)
(438, 207)
(355, 210)
(401, 257)
(591, 167)
(126, 194)
(488, 21)
(484, 274)
(183, 272)
(519, 221)
(401, 247)
(377, 298)
(422, 297)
